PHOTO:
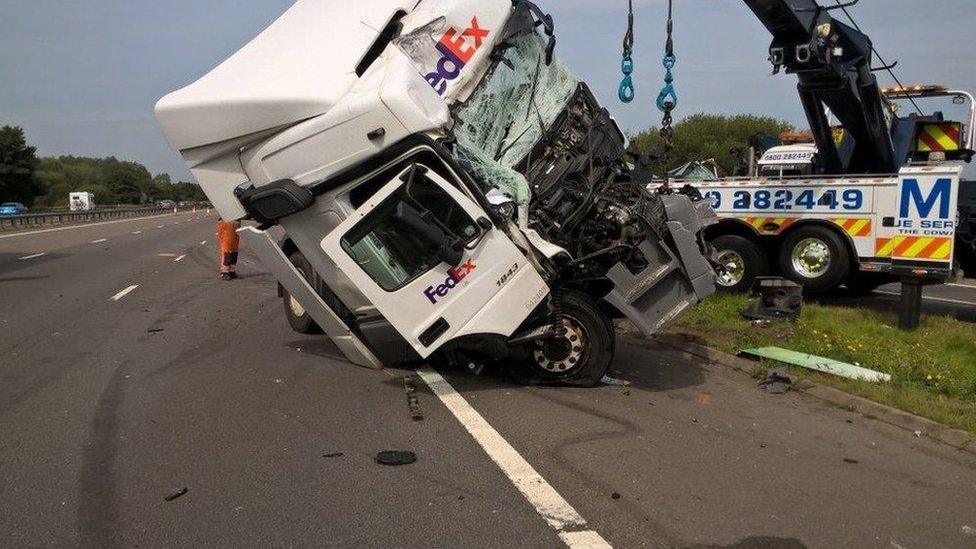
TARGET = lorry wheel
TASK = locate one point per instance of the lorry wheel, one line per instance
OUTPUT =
(581, 356)
(743, 262)
(298, 317)
(816, 258)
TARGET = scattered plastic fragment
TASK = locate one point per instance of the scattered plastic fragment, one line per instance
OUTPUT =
(333, 455)
(775, 299)
(394, 458)
(175, 494)
(154, 330)
(607, 380)
(969, 530)
(776, 382)
(851, 461)
(410, 386)
(817, 363)
(615, 495)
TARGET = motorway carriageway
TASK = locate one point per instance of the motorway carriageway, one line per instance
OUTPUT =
(129, 371)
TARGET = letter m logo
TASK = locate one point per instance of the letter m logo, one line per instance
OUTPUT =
(911, 193)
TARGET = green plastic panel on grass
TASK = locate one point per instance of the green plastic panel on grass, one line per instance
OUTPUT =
(818, 363)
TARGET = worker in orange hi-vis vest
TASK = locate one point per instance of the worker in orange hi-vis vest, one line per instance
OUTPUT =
(229, 244)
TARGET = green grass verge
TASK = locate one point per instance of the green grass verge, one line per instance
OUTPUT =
(933, 369)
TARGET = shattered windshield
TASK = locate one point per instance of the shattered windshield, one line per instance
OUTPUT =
(510, 111)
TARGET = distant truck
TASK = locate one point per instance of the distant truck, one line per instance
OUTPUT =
(82, 202)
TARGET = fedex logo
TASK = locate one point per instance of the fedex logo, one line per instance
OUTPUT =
(456, 50)
(455, 276)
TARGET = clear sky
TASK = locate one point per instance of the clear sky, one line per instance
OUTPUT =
(82, 77)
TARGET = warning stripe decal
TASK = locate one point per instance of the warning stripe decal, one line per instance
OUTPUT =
(938, 138)
(914, 247)
(762, 224)
(856, 227)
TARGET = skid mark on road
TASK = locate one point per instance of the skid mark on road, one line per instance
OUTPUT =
(98, 511)
(561, 516)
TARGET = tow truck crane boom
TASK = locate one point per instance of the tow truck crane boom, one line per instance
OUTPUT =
(833, 62)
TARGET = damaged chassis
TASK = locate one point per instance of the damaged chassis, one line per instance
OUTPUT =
(519, 236)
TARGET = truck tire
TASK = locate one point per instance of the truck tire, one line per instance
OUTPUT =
(816, 258)
(298, 318)
(581, 357)
(744, 262)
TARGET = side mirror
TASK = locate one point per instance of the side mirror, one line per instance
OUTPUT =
(446, 246)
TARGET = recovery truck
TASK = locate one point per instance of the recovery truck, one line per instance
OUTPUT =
(447, 188)
(874, 200)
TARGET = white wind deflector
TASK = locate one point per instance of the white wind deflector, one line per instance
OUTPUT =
(299, 67)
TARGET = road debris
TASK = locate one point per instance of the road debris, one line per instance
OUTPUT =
(969, 530)
(333, 455)
(176, 494)
(607, 380)
(817, 363)
(410, 386)
(395, 458)
(851, 461)
(615, 495)
(155, 330)
(775, 299)
(777, 381)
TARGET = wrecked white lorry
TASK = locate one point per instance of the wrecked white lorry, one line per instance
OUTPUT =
(448, 189)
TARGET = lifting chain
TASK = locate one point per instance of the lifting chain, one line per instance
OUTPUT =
(667, 100)
(627, 92)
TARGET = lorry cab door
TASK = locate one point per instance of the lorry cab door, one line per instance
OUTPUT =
(432, 264)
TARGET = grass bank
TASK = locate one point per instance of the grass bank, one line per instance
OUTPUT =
(933, 369)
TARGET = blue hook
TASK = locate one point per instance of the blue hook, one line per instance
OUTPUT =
(627, 92)
(668, 98)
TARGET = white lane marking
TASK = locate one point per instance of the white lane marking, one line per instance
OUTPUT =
(35, 256)
(160, 226)
(927, 298)
(73, 227)
(204, 243)
(967, 286)
(560, 515)
(99, 241)
(124, 292)
(177, 223)
(166, 255)
(136, 232)
(178, 259)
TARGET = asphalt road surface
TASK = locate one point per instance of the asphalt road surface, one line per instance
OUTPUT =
(130, 372)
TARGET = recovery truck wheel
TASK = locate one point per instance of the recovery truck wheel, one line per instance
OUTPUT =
(816, 258)
(581, 356)
(743, 262)
(298, 317)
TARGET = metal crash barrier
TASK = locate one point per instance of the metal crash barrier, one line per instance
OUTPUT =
(18, 222)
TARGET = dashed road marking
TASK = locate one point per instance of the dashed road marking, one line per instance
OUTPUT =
(35, 256)
(99, 241)
(124, 292)
(160, 226)
(178, 259)
(136, 232)
(166, 255)
(561, 516)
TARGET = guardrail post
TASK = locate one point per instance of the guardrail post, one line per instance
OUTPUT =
(910, 311)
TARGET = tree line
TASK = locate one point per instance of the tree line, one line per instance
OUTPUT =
(47, 181)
